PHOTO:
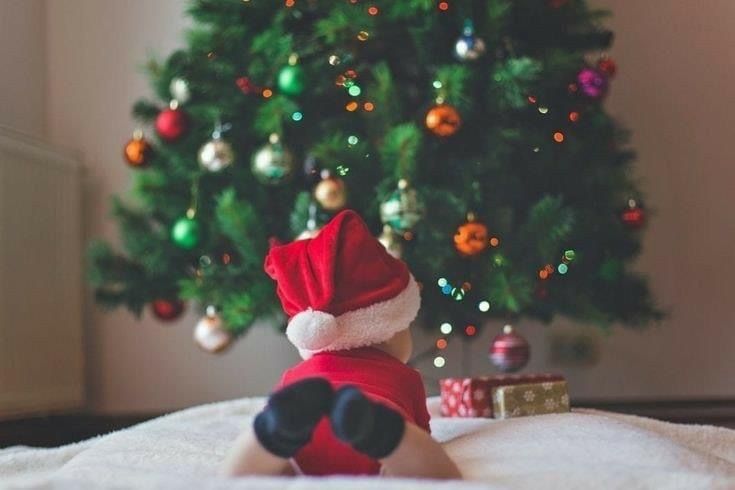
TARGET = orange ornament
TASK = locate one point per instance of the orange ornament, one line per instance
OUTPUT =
(471, 238)
(137, 151)
(443, 120)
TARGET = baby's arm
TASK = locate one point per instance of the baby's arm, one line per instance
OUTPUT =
(248, 457)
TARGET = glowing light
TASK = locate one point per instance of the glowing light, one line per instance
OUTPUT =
(574, 116)
(373, 10)
(437, 84)
(570, 255)
(543, 109)
(442, 282)
(532, 99)
(466, 286)
(494, 241)
(563, 268)
(439, 361)
(354, 90)
(343, 170)
(559, 137)
(443, 6)
(353, 140)
(363, 36)
(351, 106)
(267, 93)
(290, 3)
(334, 60)
(441, 344)
(484, 306)
(297, 116)
(543, 274)
(445, 328)
(470, 330)
(368, 106)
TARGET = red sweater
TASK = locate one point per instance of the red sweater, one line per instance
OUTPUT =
(382, 378)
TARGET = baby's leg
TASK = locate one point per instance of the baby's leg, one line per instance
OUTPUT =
(248, 457)
(419, 456)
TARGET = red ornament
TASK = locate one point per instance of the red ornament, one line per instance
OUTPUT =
(607, 66)
(171, 124)
(246, 85)
(509, 351)
(634, 217)
(167, 310)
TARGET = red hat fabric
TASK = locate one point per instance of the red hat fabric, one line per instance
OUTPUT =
(342, 289)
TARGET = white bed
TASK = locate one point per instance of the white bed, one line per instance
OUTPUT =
(585, 449)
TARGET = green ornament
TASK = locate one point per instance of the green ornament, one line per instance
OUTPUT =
(291, 80)
(402, 210)
(273, 163)
(186, 233)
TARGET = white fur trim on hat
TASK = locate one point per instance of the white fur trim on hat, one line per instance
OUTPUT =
(357, 328)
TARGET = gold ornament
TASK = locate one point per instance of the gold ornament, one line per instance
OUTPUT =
(391, 242)
(137, 150)
(331, 193)
(273, 163)
(471, 237)
(210, 333)
(443, 120)
(216, 154)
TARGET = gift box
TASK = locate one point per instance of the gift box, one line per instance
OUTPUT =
(530, 399)
(473, 397)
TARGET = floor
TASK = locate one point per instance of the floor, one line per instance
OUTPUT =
(57, 430)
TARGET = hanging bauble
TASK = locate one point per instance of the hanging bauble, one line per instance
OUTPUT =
(179, 89)
(634, 216)
(167, 309)
(273, 163)
(172, 123)
(391, 242)
(402, 210)
(216, 154)
(443, 120)
(509, 351)
(137, 150)
(330, 192)
(471, 238)
(210, 333)
(469, 47)
(291, 78)
(592, 83)
(607, 66)
(186, 232)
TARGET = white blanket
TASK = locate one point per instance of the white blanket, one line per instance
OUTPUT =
(582, 450)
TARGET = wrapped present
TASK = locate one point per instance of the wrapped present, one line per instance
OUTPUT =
(530, 399)
(472, 397)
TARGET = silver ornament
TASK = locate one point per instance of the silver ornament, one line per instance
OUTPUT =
(402, 210)
(216, 154)
(210, 333)
(469, 47)
(179, 89)
(273, 163)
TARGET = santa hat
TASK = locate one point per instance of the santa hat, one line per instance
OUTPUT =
(342, 289)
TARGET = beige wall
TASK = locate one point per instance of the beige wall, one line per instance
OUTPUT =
(23, 66)
(674, 90)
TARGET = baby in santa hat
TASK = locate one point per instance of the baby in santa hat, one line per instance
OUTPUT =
(352, 406)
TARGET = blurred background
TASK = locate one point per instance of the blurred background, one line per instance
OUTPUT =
(71, 72)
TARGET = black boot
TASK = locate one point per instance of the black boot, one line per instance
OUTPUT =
(288, 421)
(371, 428)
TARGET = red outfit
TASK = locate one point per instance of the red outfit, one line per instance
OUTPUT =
(382, 378)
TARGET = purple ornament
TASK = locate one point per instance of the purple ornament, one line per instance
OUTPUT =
(592, 82)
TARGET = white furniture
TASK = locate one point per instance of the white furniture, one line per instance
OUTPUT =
(41, 359)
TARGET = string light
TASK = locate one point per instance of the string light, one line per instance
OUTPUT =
(267, 93)
(352, 140)
(574, 116)
(559, 137)
(443, 6)
(351, 106)
(470, 330)
(373, 10)
(334, 60)
(441, 344)
(343, 170)
(368, 106)
(290, 3)
(439, 361)
(363, 36)
(543, 109)
(494, 241)
(483, 306)
(297, 116)
(563, 268)
(354, 90)
(442, 282)
(445, 328)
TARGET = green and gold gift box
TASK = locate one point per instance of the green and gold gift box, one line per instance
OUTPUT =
(530, 399)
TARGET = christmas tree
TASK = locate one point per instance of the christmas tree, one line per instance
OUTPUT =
(470, 134)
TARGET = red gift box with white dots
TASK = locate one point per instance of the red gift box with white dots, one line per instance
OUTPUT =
(473, 397)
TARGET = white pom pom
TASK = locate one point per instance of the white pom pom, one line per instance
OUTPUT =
(312, 330)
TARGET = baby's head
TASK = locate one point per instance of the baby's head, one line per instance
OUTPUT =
(342, 290)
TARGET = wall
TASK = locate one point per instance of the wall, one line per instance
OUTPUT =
(672, 90)
(23, 62)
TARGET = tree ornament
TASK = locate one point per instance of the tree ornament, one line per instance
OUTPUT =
(509, 351)
(210, 333)
(179, 89)
(469, 47)
(634, 216)
(391, 242)
(172, 123)
(592, 83)
(273, 163)
(330, 192)
(402, 210)
(443, 120)
(471, 238)
(216, 154)
(186, 232)
(167, 309)
(137, 150)
(291, 78)
(607, 66)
